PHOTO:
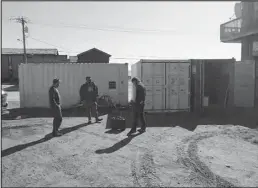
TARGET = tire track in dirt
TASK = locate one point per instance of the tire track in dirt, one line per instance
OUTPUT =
(143, 171)
(187, 150)
(143, 168)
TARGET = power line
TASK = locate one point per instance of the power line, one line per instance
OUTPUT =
(113, 29)
(65, 50)
(121, 58)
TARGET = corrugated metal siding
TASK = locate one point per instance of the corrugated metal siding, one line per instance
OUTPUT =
(197, 85)
(177, 86)
(136, 70)
(231, 68)
(167, 89)
(16, 51)
(256, 82)
(35, 80)
(4, 67)
(16, 60)
(244, 83)
(153, 77)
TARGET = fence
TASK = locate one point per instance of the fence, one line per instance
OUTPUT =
(35, 80)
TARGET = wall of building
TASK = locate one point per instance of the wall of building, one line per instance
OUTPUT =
(247, 15)
(16, 60)
(247, 47)
(47, 58)
(93, 57)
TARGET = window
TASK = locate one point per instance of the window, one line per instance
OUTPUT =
(112, 85)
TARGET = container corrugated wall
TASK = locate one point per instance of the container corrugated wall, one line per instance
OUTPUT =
(167, 84)
(256, 82)
(35, 80)
(244, 87)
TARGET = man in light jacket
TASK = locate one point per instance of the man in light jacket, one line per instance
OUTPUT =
(88, 95)
(138, 100)
(55, 105)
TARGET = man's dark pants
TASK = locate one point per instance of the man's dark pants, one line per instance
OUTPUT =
(91, 106)
(57, 114)
(138, 113)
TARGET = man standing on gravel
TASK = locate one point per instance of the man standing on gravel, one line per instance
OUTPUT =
(55, 105)
(88, 95)
(138, 106)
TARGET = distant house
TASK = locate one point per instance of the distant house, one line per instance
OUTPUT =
(93, 55)
(12, 57)
(73, 59)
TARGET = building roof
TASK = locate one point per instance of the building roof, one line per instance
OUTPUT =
(31, 51)
(94, 49)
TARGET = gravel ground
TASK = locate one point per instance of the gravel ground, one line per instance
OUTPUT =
(87, 156)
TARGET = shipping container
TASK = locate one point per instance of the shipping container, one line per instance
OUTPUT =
(36, 79)
(212, 83)
(256, 81)
(167, 84)
(244, 90)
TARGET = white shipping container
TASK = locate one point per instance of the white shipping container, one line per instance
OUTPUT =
(36, 79)
(167, 84)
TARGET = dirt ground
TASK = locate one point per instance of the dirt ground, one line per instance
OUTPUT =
(88, 155)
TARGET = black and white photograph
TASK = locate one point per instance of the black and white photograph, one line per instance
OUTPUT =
(129, 93)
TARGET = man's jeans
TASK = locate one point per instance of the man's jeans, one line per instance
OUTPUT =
(138, 113)
(57, 114)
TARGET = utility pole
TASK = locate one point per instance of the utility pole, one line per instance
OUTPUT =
(24, 42)
(23, 21)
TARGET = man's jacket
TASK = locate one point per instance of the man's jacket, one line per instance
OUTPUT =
(54, 97)
(140, 94)
(89, 92)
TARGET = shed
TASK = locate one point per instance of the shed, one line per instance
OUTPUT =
(12, 57)
(93, 55)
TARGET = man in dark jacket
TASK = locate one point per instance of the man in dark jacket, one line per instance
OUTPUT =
(89, 94)
(55, 105)
(138, 106)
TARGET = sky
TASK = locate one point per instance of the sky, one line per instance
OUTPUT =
(126, 30)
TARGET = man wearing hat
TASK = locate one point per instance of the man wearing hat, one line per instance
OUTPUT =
(89, 94)
(55, 105)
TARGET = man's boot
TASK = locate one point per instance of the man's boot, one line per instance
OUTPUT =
(142, 130)
(98, 119)
(57, 134)
(132, 131)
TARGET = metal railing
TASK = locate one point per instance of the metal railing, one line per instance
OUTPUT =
(231, 30)
(235, 29)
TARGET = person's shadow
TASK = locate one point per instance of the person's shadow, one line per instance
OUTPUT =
(48, 137)
(117, 145)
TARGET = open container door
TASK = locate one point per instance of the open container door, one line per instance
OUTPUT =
(197, 86)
